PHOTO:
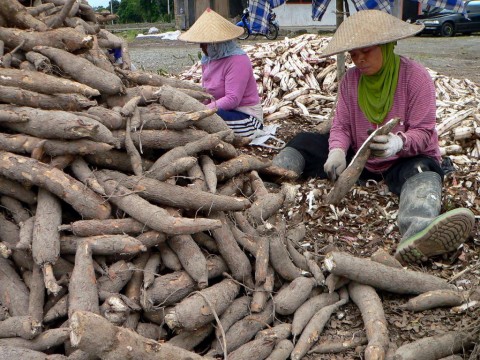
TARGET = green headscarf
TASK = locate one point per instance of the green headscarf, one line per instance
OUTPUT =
(376, 92)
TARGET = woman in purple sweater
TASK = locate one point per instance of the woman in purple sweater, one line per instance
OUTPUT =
(227, 73)
(382, 86)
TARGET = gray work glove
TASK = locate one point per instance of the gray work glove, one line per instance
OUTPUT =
(386, 145)
(335, 164)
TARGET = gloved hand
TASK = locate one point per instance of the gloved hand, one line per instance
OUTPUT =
(386, 145)
(335, 164)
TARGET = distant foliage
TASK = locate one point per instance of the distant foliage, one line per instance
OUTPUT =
(137, 11)
(111, 6)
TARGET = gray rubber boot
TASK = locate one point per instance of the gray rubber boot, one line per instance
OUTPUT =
(290, 159)
(425, 233)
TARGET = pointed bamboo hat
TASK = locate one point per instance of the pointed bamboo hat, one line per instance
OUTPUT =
(211, 27)
(367, 28)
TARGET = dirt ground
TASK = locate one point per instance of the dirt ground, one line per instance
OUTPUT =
(457, 57)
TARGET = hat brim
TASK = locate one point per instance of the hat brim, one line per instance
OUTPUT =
(367, 28)
(211, 27)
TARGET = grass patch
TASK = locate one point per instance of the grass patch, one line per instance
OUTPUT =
(128, 35)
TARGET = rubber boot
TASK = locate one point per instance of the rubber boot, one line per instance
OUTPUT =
(291, 159)
(425, 233)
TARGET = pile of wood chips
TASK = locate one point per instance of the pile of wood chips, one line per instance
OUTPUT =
(134, 225)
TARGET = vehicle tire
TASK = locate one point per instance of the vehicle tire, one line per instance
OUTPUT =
(447, 29)
(245, 34)
(272, 32)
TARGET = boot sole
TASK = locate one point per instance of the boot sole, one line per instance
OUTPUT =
(446, 233)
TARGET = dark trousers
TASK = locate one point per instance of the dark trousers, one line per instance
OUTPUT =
(314, 148)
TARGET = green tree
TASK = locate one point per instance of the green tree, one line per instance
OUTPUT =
(151, 10)
(130, 11)
(114, 5)
(143, 10)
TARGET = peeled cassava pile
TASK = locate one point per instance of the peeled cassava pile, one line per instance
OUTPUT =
(133, 228)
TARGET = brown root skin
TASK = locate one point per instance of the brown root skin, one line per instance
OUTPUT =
(282, 350)
(96, 336)
(151, 215)
(314, 328)
(12, 352)
(383, 277)
(118, 275)
(103, 244)
(82, 289)
(255, 349)
(239, 165)
(279, 256)
(171, 288)
(188, 340)
(334, 282)
(280, 332)
(290, 298)
(436, 347)
(178, 196)
(18, 16)
(42, 342)
(306, 311)
(237, 310)
(434, 299)
(22, 97)
(108, 226)
(83, 70)
(13, 292)
(82, 199)
(22, 326)
(46, 238)
(175, 99)
(371, 308)
(196, 310)
(243, 330)
(236, 259)
(383, 257)
(191, 257)
(338, 346)
(151, 268)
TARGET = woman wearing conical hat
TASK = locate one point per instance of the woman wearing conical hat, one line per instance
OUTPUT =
(382, 86)
(227, 73)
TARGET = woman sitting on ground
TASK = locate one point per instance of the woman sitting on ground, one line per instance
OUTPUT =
(227, 73)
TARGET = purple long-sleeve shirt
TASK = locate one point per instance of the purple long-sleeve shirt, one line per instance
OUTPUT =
(230, 81)
(414, 103)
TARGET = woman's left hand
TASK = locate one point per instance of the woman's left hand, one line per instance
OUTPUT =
(386, 145)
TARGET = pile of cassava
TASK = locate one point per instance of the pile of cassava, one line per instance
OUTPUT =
(133, 227)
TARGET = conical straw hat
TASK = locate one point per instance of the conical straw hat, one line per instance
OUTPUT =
(367, 28)
(211, 27)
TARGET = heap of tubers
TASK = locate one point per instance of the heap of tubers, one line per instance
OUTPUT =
(132, 227)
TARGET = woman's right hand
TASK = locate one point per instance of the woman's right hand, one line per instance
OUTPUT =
(335, 164)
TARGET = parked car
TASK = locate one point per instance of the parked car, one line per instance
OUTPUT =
(446, 22)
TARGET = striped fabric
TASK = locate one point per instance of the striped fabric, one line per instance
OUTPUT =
(259, 10)
(241, 123)
(320, 6)
(383, 5)
(258, 15)
(318, 9)
(276, 3)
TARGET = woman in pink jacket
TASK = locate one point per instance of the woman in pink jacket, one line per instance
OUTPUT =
(227, 73)
(382, 86)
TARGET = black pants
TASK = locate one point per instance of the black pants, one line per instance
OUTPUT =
(314, 148)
